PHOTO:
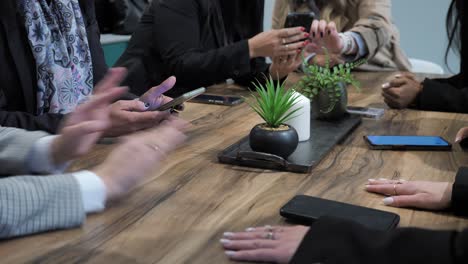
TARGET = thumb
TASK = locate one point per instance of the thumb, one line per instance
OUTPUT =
(133, 105)
(157, 91)
(462, 134)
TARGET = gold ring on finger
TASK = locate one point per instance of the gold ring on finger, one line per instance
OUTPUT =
(394, 189)
(270, 236)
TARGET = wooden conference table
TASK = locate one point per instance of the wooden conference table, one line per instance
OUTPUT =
(179, 214)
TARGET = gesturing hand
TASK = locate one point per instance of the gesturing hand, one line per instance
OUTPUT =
(128, 116)
(324, 35)
(417, 194)
(280, 42)
(264, 244)
(281, 67)
(137, 155)
(86, 124)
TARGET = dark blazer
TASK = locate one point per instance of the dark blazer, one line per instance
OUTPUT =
(449, 95)
(186, 38)
(333, 240)
(18, 81)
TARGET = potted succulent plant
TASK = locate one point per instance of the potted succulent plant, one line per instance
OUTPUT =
(273, 103)
(326, 88)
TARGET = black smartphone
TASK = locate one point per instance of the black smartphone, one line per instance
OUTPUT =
(305, 210)
(181, 99)
(297, 19)
(217, 99)
(408, 143)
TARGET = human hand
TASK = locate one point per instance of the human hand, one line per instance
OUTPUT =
(280, 67)
(264, 244)
(321, 60)
(324, 35)
(128, 116)
(280, 42)
(137, 155)
(82, 128)
(401, 91)
(462, 134)
(416, 194)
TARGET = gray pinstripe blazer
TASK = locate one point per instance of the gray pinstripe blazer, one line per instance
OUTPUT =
(32, 204)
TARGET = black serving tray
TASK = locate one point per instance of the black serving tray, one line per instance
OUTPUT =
(324, 135)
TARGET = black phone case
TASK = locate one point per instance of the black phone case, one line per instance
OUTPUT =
(298, 19)
(408, 147)
(303, 209)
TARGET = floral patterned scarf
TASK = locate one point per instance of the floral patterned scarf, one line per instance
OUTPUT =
(58, 40)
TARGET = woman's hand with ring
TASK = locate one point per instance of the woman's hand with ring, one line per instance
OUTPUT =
(416, 194)
(275, 43)
(264, 244)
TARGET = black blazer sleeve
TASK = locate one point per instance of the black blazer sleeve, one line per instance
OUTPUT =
(460, 193)
(48, 122)
(331, 241)
(180, 39)
(445, 95)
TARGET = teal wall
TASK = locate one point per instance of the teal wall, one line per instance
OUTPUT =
(113, 51)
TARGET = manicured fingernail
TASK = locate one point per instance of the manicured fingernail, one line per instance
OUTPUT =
(367, 186)
(398, 76)
(313, 34)
(302, 28)
(306, 35)
(371, 180)
(321, 34)
(458, 139)
(382, 179)
(388, 201)
(329, 32)
(230, 253)
(250, 229)
(224, 241)
(228, 234)
(147, 105)
(298, 51)
(385, 85)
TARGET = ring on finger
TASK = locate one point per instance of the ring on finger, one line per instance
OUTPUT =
(394, 189)
(270, 236)
(269, 228)
(284, 41)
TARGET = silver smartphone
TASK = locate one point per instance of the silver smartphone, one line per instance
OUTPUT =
(181, 99)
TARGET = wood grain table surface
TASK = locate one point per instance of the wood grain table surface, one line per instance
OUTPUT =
(178, 214)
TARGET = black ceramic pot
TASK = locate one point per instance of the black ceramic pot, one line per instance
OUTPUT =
(277, 142)
(320, 105)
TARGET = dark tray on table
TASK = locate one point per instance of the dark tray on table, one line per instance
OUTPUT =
(324, 135)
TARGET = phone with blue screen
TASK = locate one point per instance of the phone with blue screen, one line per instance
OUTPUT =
(408, 143)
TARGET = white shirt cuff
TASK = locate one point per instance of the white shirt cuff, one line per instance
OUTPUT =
(40, 160)
(93, 191)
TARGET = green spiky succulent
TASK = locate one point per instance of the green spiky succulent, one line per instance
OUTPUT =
(273, 102)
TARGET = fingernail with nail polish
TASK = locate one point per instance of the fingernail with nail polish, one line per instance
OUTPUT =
(250, 229)
(228, 234)
(230, 253)
(313, 34)
(371, 180)
(147, 105)
(329, 32)
(225, 241)
(382, 179)
(306, 35)
(321, 34)
(386, 85)
(388, 201)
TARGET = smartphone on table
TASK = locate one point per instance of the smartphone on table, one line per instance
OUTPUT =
(408, 143)
(303, 209)
(217, 99)
(298, 19)
(181, 99)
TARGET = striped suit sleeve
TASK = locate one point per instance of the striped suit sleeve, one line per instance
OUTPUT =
(33, 204)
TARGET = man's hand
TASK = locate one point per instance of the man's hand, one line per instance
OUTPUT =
(86, 124)
(138, 155)
(135, 115)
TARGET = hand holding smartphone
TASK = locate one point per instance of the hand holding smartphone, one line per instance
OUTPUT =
(297, 19)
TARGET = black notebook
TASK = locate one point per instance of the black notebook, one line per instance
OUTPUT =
(305, 210)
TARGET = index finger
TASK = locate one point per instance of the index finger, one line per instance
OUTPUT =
(290, 32)
(113, 78)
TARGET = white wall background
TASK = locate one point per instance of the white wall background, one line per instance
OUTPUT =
(422, 28)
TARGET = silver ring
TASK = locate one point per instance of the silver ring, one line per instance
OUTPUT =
(284, 41)
(270, 236)
(269, 228)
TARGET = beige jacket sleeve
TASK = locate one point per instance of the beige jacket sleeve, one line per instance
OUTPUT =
(280, 12)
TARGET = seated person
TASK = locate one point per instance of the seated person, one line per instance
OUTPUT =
(446, 94)
(31, 204)
(350, 30)
(47, 69)
(332, 240)
(204, 42)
